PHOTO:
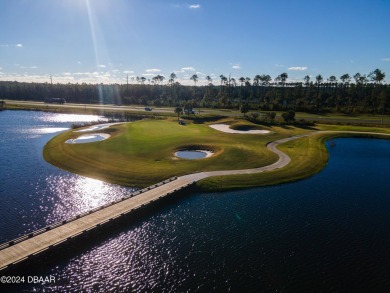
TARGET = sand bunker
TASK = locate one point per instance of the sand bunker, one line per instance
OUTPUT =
(226, 128)
(87, 138)
(96, 127)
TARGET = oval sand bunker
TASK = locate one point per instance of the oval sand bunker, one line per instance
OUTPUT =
(87, 138)
(226, 128)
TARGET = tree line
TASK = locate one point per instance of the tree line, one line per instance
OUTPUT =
(359, 93)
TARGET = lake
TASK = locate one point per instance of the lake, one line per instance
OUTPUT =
(329, 232)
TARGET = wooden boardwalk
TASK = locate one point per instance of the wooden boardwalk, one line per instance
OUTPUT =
(22, 248)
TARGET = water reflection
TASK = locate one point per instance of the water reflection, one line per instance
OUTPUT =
(74, 194)
(46, 130)
(34, 193)
(69, 118)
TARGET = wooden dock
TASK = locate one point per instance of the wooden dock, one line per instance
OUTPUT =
(26, 246)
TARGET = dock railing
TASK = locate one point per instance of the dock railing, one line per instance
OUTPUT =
(57, 224)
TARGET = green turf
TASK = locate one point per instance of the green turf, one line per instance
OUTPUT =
(308, 157)
(142, 153)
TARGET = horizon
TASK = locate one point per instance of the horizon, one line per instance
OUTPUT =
(105, 41)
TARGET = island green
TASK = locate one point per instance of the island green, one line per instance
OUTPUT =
(141, 153)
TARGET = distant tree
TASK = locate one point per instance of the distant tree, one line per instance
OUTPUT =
(209, 80)
(270, 116)
(223, 79)
(319, 79)
(377, 76)
(288, 116)
(256, 80)
(332, 79)
(127, 116)
(254, 115)
(306, 79)
(194, 78)
(244, 108)
(345, 78)
(356, 77)
(172, 78)
(283, 78)
(178, 111)
(158, 79)
(265, 79)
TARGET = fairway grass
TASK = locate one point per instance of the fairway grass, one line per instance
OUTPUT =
(141, 153)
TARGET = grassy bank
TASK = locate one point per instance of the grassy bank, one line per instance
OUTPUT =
(308, 157)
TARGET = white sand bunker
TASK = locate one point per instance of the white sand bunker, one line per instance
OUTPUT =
(96, 127)
(226, 128)
(87, 138)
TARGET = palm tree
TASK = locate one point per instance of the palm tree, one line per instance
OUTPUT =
(178, 111)
(209, 80)
(223, 81)
(332, 80)
(194, 78)
(172, 78)
(223, 78)
(319, 80)
(256, 80)
(345, 79)
(306, 79)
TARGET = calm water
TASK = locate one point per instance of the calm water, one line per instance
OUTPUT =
(34, 193)
(190, 155)
(327, 233)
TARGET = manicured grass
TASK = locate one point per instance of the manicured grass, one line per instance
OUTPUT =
(308, 157)
(142, 153)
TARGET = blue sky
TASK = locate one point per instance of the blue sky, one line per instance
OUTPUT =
(106, 40)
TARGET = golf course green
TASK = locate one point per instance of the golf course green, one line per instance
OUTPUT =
(142, 153)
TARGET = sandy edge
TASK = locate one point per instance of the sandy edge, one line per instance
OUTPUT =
(226, 128)
(72, 141)
(97, 127)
